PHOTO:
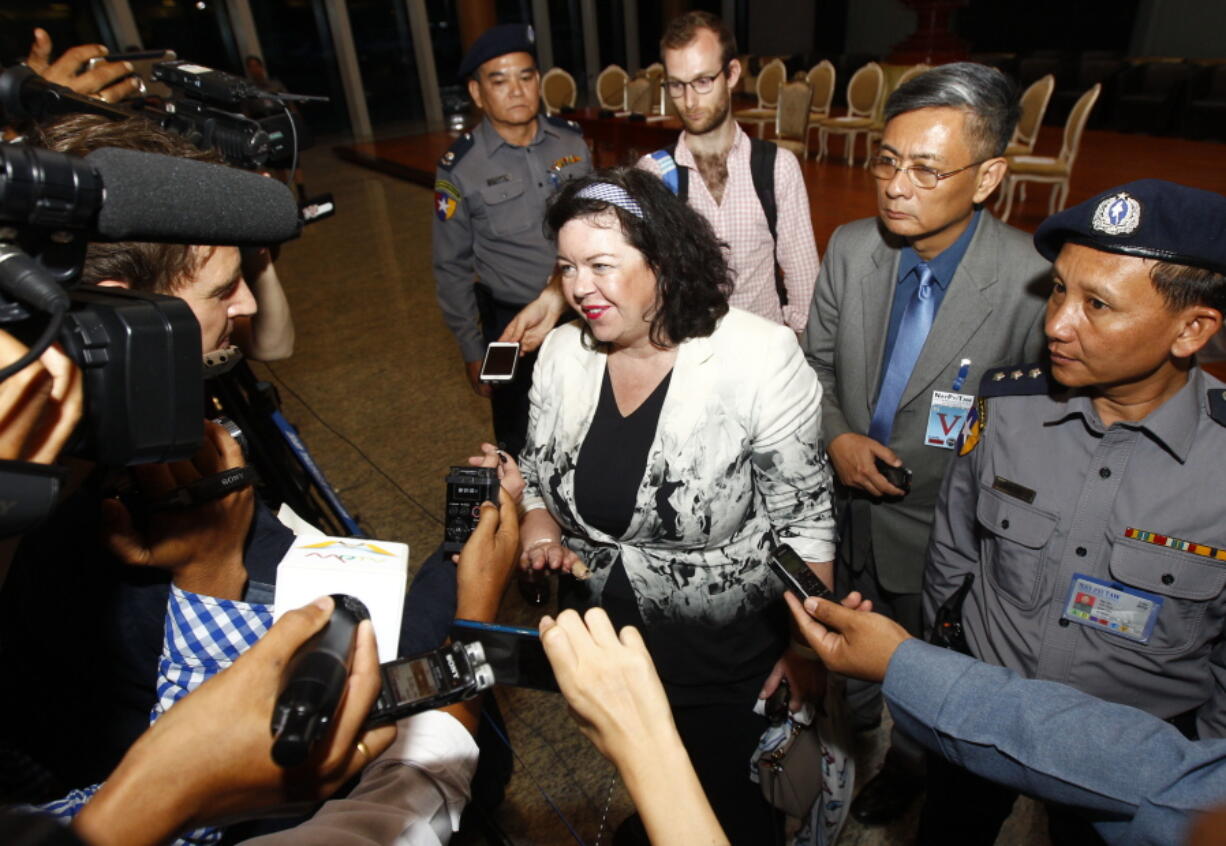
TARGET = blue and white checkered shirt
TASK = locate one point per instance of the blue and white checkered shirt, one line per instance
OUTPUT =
(203, 636)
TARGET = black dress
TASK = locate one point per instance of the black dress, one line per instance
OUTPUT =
(711, 677)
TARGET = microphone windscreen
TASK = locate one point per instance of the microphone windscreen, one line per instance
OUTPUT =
(151, 197)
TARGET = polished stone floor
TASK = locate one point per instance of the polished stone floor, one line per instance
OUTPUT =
(377, 390)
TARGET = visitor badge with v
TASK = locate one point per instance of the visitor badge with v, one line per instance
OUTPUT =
(946, 417)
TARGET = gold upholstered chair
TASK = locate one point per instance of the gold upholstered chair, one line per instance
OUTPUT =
(655, 78)
(611, 88)
(821, 79)
(638, 95)
(1034, 106)
(864, 92)
(875, 131)
(792, 118)
(558, 90)
(1052, 170)
(770, 80)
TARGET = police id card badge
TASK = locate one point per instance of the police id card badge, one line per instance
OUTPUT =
(1112, 607)
(948, 411)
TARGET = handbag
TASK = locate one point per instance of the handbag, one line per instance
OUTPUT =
(790, 767)
(804, 764)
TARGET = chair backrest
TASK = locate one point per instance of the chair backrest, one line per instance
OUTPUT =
(769, 82)
(558, 90)
(638, 95)
(792, 114)
(1034, 106)
(654, 69)
(1164, 77)
(910, 74)
(821, 80)
(1077, 123)
(1217, 83)
(611, 88)
(902, 79)
(865, 90)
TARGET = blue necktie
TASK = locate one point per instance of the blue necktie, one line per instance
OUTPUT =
(912, 332)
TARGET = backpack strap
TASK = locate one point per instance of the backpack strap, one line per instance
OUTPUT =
(676, 178)
(762, 169)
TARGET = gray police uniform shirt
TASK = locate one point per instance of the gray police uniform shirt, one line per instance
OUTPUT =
(489, 213)
(1043, 491)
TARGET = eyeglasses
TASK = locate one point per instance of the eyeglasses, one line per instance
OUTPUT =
(701, 85)
(921, 176)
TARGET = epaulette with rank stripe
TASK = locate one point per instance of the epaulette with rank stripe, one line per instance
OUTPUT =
(563, 123)
(456, 151)
(1017, 381)
(1217, 405)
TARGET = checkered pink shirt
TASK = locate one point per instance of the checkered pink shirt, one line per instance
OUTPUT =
(740, 221)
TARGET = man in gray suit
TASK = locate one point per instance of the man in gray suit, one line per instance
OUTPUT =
(911, 308)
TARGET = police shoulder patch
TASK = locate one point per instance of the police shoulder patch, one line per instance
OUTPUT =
(446, 198)
(456, 151)
(563, 123)
(1217, 405)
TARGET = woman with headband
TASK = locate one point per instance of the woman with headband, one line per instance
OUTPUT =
(672, 440)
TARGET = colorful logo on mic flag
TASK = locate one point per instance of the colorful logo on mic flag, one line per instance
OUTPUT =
(446, 196)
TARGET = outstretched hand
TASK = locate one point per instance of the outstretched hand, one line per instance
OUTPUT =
(617, 699)
(535, 320)
(485, 564)
(108, 81)
(509, 477)
(849, 641)
(209, 758)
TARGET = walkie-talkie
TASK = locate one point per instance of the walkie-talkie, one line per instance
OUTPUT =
(947, 626)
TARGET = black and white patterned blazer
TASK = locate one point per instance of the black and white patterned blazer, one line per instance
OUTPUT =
(737, 453)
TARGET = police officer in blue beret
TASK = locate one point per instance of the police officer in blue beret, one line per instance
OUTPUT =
(491, 255)
(1087, 498)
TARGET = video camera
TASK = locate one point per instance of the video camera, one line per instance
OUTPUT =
(139, 353)
(250, 127)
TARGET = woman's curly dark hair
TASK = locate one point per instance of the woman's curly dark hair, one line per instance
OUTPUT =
(692, 276)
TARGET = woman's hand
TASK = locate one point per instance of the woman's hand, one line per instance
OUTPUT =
(806, 679)
(508, 471)
(550, 554)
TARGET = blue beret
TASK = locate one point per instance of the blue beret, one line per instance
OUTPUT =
(498, 41)
(1149, 218)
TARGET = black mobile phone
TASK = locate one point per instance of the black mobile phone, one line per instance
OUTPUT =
(467, 488)
(448, 674)
(515, 654)
(795, 573)
(142, 67)
(500, 361)
(899, 477)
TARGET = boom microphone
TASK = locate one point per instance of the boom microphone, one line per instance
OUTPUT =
(150, 197)
(125, 195)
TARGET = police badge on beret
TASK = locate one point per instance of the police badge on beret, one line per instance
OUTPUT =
(1119, 214)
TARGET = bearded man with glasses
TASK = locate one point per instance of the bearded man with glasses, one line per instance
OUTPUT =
(751, 191)
(711, 166)
(911, 308)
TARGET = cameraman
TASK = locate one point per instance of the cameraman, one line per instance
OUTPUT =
(210, 758)
(108, 616)
(216, 282)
